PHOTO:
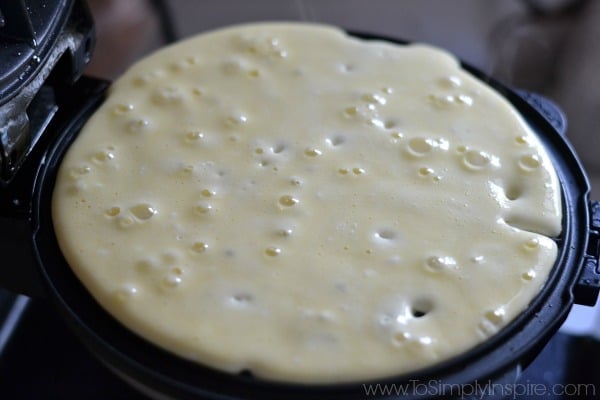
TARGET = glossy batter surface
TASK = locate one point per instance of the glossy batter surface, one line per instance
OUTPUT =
(308, 206)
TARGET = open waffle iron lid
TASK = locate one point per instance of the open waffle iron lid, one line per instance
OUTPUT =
(573, 278)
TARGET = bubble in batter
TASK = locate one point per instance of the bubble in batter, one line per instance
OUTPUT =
(113, 211)
(476, 160)
(137, 125)
(143, 211)
(202, 208)
(440, 263)
(272, 251)
(530, 162)
(419, 146)
(199, 247)
(288, 200)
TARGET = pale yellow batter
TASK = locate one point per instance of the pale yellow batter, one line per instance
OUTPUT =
(311, 207)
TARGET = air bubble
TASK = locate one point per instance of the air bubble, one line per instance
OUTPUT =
(387, 90)
(146, 265)
(285, 232)
(347, 67)
(439, 263)
(272, 251)
(77, 172)
(231, 67)
(176, 67)
(187, 169)
(103, 156)
(351, 111)
(421, 308)
(335, 140)
(450, 82)
(278, 149)
(530, 162)
(464, 99)
(265, 48)
(492, 321)
(386, 234)
(401, 337)
(202, 208)
(295, 181)
(374, 98)
(125, 293)
(126, 222)
(476, 160)
(191, 60)
(478, 259)
(529, 275)
(343, 171)
(236, 120)
(193, 136)
(143, 211)
(113, 212)
(426, 171)
(137, 125)
(522, 140)
(420, 146)
(531, 244)
(359, 171)
(425, 341)
(167, 95)
(390, 124)
(288, 201)
(242, 298)
(441, 101)
(185, 63)
(121, 109)
(377, 122)
(199, 247)
(444, 101)
(312, 152)
(513, 192)
(177, 271)
(496, 316)
(171, 281)
(207, 193)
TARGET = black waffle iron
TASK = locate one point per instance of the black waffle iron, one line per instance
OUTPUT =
(45, 100)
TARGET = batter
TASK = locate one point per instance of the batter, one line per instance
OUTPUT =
(311, 207)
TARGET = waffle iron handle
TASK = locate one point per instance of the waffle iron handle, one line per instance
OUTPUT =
(588, 285)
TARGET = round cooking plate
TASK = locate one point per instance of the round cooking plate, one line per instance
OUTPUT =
(159, 371)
